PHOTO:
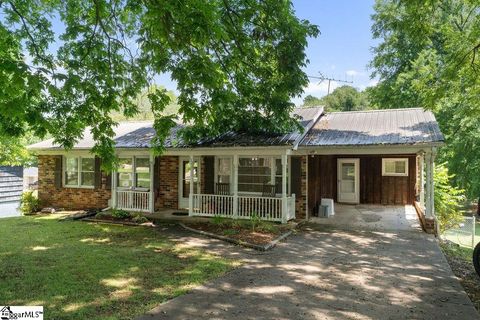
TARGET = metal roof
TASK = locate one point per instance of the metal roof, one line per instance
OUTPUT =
(138, 134)
(376, 127)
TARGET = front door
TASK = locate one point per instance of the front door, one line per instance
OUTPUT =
(348, 180)
(184, 180)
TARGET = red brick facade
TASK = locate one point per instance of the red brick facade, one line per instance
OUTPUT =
(67, 198)
(301, 199)
(167, 195)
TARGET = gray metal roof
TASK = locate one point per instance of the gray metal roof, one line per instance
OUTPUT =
(375, 127)
(138, 134)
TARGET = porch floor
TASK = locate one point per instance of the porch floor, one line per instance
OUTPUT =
(372, 217)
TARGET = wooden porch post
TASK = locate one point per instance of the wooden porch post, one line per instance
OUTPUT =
(421, 164)
(235, 186)
(284, 188)
(114, 189)
(152, 193)
(429, 197)
(190, 195)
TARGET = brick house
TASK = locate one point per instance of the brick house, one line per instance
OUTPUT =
(375, 157)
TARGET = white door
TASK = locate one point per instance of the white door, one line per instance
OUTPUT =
(348, 180)
(184, 180)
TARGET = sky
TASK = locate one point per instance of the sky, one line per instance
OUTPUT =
(342, 50)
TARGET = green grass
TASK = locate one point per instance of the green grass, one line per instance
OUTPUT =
(78, 270)
(458, 251)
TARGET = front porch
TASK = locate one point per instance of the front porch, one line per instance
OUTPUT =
(238, 186)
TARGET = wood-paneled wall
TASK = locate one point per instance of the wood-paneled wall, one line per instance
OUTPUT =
(374, 188)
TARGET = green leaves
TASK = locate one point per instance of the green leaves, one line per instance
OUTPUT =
(428, 57)
(237, 64)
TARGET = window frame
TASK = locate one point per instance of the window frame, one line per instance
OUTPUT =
(273, 175)
(78, 185)
(394, 174)
(134, 174)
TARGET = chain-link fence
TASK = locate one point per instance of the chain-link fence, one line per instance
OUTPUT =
(464, 234)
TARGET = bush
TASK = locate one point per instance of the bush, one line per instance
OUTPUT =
(29, 203)
(120, 214)
(255, 220)
(218, 220)
(447, 200)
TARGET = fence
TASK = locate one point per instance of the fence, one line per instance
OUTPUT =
(464, 234)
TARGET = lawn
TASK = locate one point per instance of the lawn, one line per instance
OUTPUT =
(79, 270)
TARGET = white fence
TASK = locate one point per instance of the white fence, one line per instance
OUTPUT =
(267, 208)
(464, 234)
(133, 200)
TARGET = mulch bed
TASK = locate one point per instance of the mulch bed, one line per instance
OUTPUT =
(465, 272)
(239, 233)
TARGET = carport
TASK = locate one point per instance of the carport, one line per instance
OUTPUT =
(372, 217)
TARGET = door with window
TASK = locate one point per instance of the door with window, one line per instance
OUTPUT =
(184, 180)
(348, 180)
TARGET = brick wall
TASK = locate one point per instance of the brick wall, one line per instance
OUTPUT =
(68, 198)
(301, 199)
(167, 195)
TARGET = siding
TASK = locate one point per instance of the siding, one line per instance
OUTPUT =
(11, 183)
(374, 188)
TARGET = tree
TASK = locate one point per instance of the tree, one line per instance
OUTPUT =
(345, 98)
(311, 101)
(447, 199)
(237, 64)
(145, 108)
(428, 56)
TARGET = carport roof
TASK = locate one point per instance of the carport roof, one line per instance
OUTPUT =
(375, 127)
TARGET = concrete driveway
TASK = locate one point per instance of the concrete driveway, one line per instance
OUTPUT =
(326, 272)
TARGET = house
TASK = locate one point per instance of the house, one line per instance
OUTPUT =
(371, 157)
(11, 183)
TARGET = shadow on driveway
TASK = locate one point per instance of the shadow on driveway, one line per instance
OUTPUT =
(328, 273)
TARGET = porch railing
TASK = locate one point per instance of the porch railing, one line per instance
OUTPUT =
(267, 208)
(133, 200)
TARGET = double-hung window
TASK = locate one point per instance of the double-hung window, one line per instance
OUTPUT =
(79, 172)
(134, 173)
(395, 167)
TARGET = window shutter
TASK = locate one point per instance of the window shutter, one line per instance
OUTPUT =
(98, 173)
(156, 174)
(296, 176)
(58, 172)
(209, 162)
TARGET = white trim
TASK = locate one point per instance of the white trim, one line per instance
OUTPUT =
(359, 150)
(356, 162)
(79, 172)
(394, 174)
(184, 202)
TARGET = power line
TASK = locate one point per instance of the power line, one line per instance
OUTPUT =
(322, 78)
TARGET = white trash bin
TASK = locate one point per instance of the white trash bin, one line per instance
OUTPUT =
(329, 203)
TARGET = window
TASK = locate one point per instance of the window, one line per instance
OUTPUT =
(223, 170)
(142, 170)
(255, 172)
(395, 167)
(79, 171)
(133, 173)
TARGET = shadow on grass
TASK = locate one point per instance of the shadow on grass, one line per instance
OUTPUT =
(78, 270)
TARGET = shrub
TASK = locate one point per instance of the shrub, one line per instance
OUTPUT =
(447, 200)
(255, 220)
(29, 203)
(120, 214)
(218, 220)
